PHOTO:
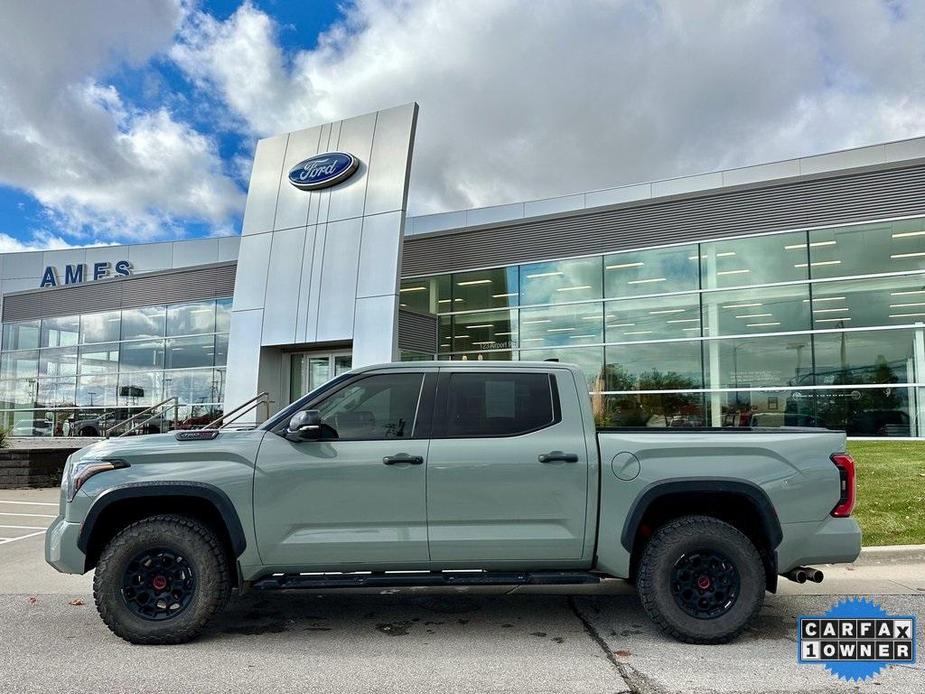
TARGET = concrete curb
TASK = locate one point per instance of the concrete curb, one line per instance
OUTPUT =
(891, 554)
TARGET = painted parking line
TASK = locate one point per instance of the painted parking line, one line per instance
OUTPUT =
(8, 540)
(29, 515)
(22, 527)
(29, 503)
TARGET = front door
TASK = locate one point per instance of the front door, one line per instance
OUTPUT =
(308, 370)
(356, 497)
(494, 492)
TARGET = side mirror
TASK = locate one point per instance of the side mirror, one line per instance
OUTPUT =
(304, 426)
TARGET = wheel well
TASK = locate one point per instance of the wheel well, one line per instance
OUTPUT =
(124, 512)
(739, 510)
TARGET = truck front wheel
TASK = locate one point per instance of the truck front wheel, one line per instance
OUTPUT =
(161, 579)
(701, 580)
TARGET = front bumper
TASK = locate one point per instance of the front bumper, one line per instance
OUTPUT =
(831, 541)
(61, 549)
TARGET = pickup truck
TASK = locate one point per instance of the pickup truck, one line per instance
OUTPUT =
(451, 474)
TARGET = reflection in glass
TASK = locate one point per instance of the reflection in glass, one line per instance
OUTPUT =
(428, 295)
(485, 289)
(100, 358)
(61, 331)
(560, 281)
(140, 388)
(58, 362)
(97, 390)
(19, 364)
(772, 408)
(763, 310)
(147, 322)
(100, 327)
(18, 394)
(55, 392)
(868, 248)
(186, 352)
(884, 356)
(870, 302)
(143, 354)
(222, 315)
(221, 349)
(662, 366)
(755, 260)
(191, 319)
(192, 387)
(760, 361)
(553, 326)
(590, 359)
(655, 318)
(22, 335)
(675, 410)
(484, 331)
(655, 271)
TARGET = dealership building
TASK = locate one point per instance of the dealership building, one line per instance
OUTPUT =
(790, 293)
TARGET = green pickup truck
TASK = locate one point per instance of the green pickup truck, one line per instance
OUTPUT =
(452, 474)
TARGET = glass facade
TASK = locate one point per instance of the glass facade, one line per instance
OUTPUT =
(818, 327)
(79, 375)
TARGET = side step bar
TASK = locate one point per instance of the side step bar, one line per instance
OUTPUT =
(422, 578)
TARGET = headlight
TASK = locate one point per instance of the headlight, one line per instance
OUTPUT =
(80, 472)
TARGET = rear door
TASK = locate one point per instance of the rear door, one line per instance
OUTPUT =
(507, 471)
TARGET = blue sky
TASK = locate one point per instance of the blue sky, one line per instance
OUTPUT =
(137, 122)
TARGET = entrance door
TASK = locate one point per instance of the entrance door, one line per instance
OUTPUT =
(309, 370)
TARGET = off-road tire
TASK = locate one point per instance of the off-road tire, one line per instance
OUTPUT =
(199, 546)
(691, 534)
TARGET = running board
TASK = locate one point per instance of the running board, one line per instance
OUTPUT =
(423, 578)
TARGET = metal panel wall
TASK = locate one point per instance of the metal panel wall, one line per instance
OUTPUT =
(170, 286)
(808, 202)
(417, 331)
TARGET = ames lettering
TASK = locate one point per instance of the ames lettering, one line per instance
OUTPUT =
(79, 272)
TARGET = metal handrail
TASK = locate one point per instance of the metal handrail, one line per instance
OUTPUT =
(176, 412)
(262, 397)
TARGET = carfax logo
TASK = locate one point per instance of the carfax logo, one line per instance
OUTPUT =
(856, 639)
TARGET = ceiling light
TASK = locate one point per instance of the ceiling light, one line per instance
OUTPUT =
(572, 289)
(460, 336)
(833, 320)
(825, 298)
(469, 283)
(621, 325)
(819, 263)
(743, 305)
(830, 310)
(904, 234)
(667, 310)
(725, 254)
(813, 244)
(623, 266)
(654, 279)
(483, 325)
(759, 325)
(755, 315)
(591, 317)
(914, 291)
(905, 315)
(504, 333)
(559, 330)
(919, 303)
(907, 255)
(482, 344)
(733, 272)
(690, 328)
(684, 320)
(579, 337)
(503, 296)
(537, 320)
(544, 274)
(638, 332)
(414, 289)
(535, 339)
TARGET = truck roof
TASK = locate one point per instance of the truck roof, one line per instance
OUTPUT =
(469, 364)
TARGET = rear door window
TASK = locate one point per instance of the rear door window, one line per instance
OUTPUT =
(499, 404)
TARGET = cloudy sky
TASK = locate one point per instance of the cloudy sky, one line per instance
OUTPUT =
(132, 120)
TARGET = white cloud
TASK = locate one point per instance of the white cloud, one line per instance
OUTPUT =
(102, 168)
(523, 99)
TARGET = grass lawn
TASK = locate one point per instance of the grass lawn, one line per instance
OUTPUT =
(891, 491)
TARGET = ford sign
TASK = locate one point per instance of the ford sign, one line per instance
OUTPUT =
(323, 170)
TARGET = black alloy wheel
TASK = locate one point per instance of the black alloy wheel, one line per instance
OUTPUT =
(705, 583)
(158, 584)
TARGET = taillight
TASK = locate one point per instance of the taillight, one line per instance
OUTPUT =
(846, 476)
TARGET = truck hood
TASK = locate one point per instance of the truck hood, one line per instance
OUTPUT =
(165, 448)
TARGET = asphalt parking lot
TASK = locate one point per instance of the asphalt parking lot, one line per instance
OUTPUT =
(590, 640)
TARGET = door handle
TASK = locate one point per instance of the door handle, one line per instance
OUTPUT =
(557, 457)
(403, 458)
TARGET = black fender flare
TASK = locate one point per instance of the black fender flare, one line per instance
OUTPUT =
(135, 490)
(770, 523)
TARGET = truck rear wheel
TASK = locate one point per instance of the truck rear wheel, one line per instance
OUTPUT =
(161, 579)
(701, 580)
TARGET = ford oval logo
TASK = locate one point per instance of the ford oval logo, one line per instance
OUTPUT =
(323, 170)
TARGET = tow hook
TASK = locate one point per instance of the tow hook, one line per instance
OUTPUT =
(802, 574)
